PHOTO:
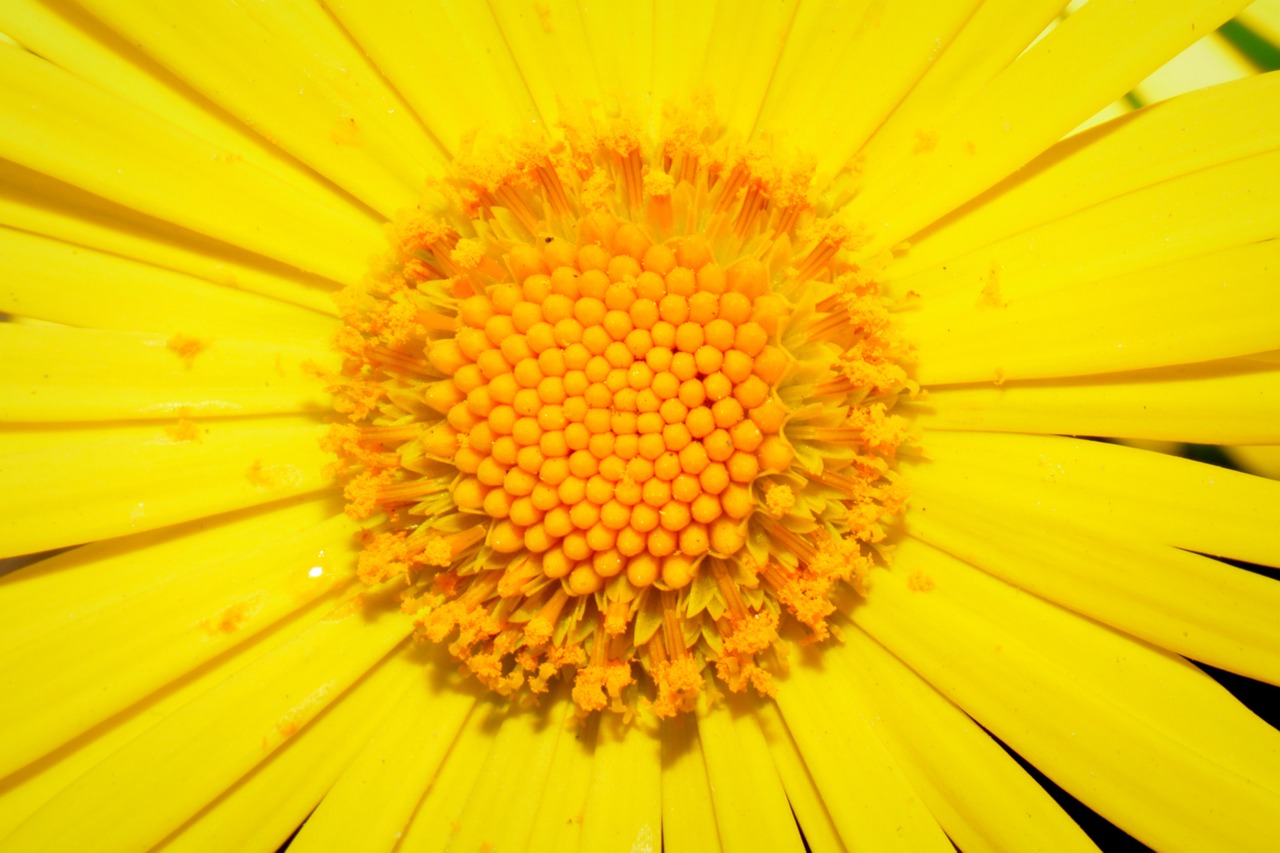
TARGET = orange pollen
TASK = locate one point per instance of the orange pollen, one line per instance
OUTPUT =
(581, 414)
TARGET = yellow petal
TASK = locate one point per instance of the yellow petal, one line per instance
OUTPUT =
(25, 791)
(1048, 90)
(50, 280)
(264, 808)
(68, 129)
(871, 802)
(687, 823)
(1258, 459)
(517, 771)
(806, 800)
(823, 67)
(624, 800)
(551, 54)
(59, 684)
(1206, 128)
(56, 592)
(621, 40)
(225, 733)
(372, 800)
(469, 83)
(434, 824)
(1220, 303)
(740, 57)
(563, 806)
(63, 374)
(991, 38)
(276, 67)
(131, 478)
(1216, 402)
(1210, 61)
(75, 42)
(750, 804)
(945, 756)
(1153, 496)
(1189, 604)
(38, 204)
(682, 40)
(1148, 741)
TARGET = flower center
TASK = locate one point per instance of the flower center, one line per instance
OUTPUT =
(614, 406)
(618, 404)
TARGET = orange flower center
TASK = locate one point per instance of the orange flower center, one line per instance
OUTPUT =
(614, 407)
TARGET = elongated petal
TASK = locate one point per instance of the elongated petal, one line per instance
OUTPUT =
(130, 478)
(50, 280)
(1263, 460)
(806, 799)
(822, 65)
(874, 807)
(1140, 736)
(682, 44)
(264, 808)
(1234, 401)
(561, 810)
(25, 791)
(434, 824)
(687, 823)
(997, 32)
(374, 797)
(56, 374)
(470, 85)
(750, 804)
(626, 758)
(225, 733)
(518, 767)
(1207, 128)
(947, 758)
(251, 62)
(1155, 497)
(73, 40)
(1031, 104)
(1190, 604)
(72, 131)
(1208, 211)
(1110, 325)
(740, 56)
(59, 684)
(57, 592)
(1210, 61)
(38, 204)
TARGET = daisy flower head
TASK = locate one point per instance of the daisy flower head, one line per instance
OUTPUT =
(540, 425)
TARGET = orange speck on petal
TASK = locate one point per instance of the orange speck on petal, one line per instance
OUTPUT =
(186, 347)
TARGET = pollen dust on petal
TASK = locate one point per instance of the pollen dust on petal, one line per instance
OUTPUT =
(231, 618)
(345, 131)
(926, 140)
(186, 347)
(918, 581)
(183, 430)
(990, 296)
(273, 476)
(292, 721)
(543, 8)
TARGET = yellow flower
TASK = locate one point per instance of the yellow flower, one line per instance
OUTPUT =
(923, 283)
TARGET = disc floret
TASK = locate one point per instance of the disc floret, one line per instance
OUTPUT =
(616, 405)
